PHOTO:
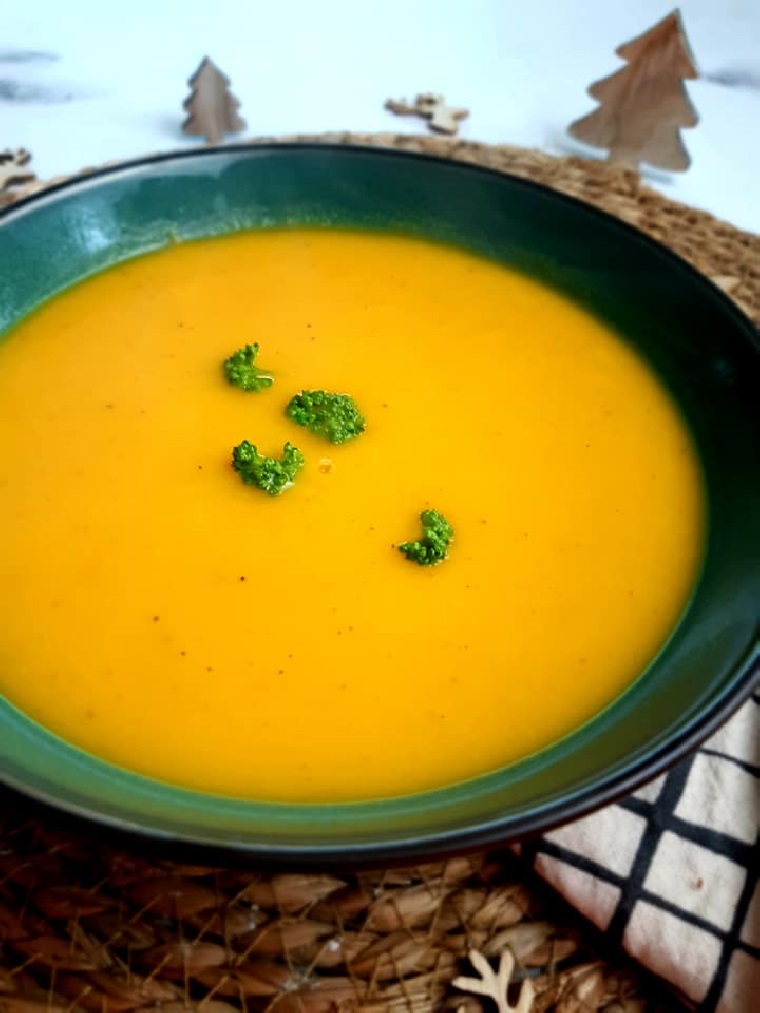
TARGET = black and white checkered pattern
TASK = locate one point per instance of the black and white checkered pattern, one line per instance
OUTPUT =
(672, 871)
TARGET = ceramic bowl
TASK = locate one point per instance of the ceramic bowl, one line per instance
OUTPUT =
(701, 346)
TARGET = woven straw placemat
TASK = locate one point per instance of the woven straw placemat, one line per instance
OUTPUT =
(87, 926)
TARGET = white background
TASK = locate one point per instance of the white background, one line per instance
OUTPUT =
(116, 86)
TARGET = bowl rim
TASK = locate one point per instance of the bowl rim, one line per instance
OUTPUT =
(499, 830)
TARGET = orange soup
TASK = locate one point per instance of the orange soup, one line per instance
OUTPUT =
(162, 615)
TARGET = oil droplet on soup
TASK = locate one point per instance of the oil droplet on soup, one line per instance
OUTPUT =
(161, 615)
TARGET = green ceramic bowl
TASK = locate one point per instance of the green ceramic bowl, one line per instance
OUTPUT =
(701, 346)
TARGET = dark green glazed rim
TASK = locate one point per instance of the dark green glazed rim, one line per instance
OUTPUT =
(701, 346)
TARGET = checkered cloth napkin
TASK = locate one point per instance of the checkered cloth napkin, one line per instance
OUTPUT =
(672, 871)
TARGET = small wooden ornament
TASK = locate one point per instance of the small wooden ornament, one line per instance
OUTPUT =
(12, 168)
(211, 106)
(428, 106)
(494, 985)
(642, 105)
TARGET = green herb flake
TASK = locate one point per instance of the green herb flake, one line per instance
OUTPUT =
(334, 417)
(241, 370)
(268, 473)
(433, 547)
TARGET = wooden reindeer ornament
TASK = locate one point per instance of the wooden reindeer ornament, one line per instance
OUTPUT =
(211, 107)
(494, 985)
(428, 106)
(642, 105)
(13, 168)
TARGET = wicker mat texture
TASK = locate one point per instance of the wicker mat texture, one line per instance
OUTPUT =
(87, 925)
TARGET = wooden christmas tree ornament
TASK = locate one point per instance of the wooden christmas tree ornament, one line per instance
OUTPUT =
(642, 105)
(211, 107)
(13, 171)
(428, 106)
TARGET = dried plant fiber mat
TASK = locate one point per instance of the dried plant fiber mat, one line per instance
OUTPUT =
(87, 927)
(671, 873)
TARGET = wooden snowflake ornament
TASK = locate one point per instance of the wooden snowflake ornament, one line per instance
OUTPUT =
(428, 106)
(642, 105)
(13, 171)
(211, 107)
(494, 984)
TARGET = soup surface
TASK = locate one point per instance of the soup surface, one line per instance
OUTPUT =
(162, 615)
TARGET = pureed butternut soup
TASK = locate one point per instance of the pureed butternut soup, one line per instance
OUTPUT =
(160, 614)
